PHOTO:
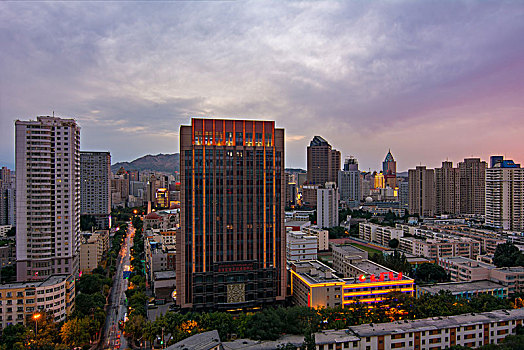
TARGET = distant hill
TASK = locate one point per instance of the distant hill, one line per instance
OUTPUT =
(166, 163)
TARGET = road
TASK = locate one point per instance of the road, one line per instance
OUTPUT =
(113, 337)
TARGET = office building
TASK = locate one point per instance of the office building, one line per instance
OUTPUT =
(505, 196)
(48, 197)
(472, 172)
(92, 248)
(327, 205)
(323, 162)
(231, 246)
(421, 191)
(447, 189)
(389, 169)
(316, 285)
(95, 186)
(349, 183)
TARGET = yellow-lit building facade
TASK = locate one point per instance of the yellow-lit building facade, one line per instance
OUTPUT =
(314, 284)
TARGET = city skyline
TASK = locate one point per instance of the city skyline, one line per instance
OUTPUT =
(366, 77)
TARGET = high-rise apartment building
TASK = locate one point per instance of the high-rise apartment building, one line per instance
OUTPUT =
(323, 162)
(472, 186)
(48, 197)
(421, 191)
(349, 182)
(403, 194)
(327, 206)
(505, 196)
(7, 198)
(231, 245)
(95, 186)
(447, 189)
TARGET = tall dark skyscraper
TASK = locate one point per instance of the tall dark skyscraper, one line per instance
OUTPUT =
(389, 169)
(323, 162)
(231, 245)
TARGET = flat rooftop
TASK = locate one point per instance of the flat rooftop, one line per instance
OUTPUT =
(202, 341)
(459, 287)
(436, 323)
(49, 281)
(313, 271)
(370, 267)
(349, 249)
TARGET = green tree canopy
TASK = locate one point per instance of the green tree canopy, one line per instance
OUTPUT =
(507, 255)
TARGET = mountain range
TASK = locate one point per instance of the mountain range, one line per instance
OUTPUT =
(166, 163)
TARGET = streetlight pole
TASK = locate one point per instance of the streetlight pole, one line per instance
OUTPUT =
(36, 317)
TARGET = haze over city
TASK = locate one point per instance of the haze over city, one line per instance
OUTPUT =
(429, 80)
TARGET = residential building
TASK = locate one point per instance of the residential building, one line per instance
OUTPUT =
(323, 162)
(463, 269)
(21, 300)
(92, 248)
(349, 183)
(322, 236)
(95, 187)
(231, 245)
(465, 289)
(467, 330)
(505, 196)
(472, 172)
(447, 189)
(301, 246)
(48, 197)
(421, 191)
(403, 194)
(327, 205)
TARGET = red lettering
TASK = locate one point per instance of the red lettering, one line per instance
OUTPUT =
(399, 276)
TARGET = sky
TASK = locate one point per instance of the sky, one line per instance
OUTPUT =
(430, 80)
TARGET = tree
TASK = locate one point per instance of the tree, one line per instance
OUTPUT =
(90, 284)
(507, 255)
(8, 274)
(135, 326)
(87, 222)
(11, 232)
(430, 273)
(75, 332)
(14, 334)
(394, 243)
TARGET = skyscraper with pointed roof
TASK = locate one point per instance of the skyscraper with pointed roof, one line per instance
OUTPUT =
(389, 169)
(323, 162)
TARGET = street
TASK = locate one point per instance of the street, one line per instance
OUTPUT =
(113, 337)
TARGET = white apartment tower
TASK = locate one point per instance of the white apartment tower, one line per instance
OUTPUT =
(327, 205)
(95, 186)
(48, 197)
(505, 196)
(349, 183)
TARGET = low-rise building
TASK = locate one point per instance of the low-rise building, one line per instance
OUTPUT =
(301, 246)
(465, 289)
(463, 269)
(470, 330)
(4, 229)
(20, 300)
(164, 284)
(7, 255)
(314, 284)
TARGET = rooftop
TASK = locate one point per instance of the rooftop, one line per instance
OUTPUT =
(459, 287)
(313, 271)
(202, 341)
(436, 323)
(49, 281)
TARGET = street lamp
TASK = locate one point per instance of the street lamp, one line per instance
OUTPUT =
(36, 317)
